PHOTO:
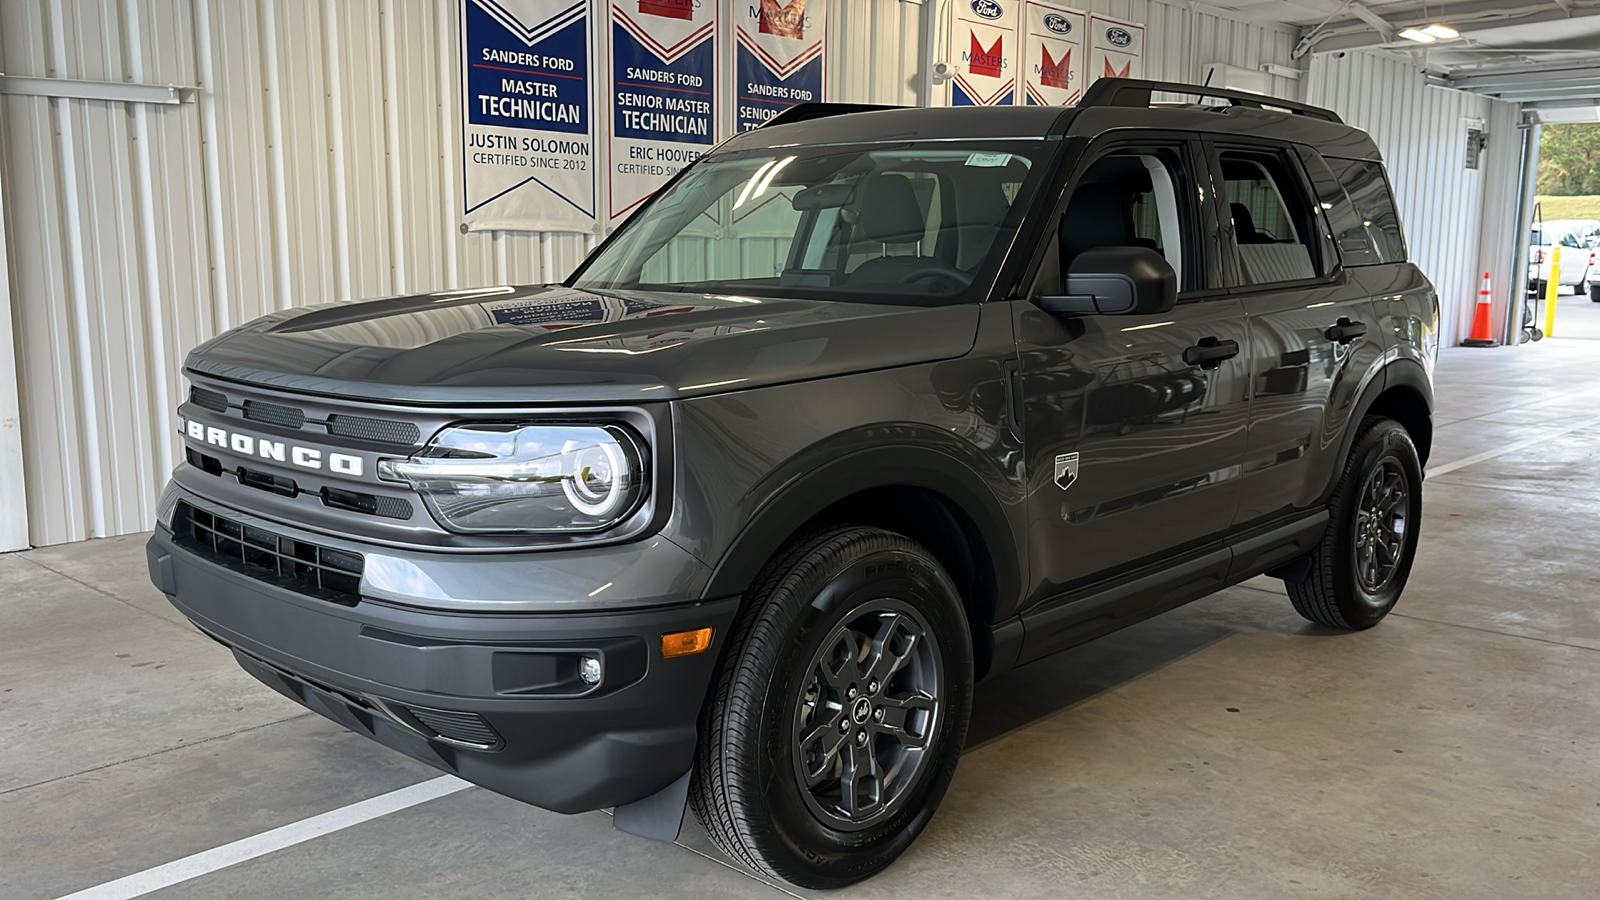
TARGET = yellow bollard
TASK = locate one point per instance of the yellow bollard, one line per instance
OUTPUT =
(1552, 287)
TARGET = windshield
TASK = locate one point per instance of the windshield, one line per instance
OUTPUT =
(867, 223)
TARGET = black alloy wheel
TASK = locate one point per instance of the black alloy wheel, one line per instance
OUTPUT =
(1382, 525)
(865, 714)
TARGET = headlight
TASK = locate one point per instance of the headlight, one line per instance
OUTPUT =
(526, 478)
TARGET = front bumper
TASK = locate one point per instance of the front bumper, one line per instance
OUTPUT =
(490, 697)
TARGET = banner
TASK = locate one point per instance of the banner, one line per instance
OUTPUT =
(527, 130)
(778, 58)
(1117, 48)
(663, 94)
(1052, 54)
(983, 36)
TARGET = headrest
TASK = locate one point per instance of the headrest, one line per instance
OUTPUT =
(1244, 226)
(1099, 214)
(890, 213)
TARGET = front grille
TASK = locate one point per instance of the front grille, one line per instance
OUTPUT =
(216, 401)
(461, 727)
(273, 414)
(370, 504)
(382, 430)
(301, 566)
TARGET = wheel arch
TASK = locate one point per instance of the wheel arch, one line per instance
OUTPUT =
(1403, 392)
(919, 492)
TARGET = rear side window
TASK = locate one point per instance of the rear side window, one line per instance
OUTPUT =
(1368, 188)
(1274, 227)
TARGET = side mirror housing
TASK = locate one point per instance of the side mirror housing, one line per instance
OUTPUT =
(1115, 281)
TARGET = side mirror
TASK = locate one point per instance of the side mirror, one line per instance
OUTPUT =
(1115, 281)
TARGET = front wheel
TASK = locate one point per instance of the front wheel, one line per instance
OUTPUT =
(1594, 292)
(839, 713)
(1359, 569)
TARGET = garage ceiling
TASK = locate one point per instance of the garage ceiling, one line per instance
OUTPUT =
(1544, 54)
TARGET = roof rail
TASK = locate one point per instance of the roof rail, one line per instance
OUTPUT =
(802, 112)
(1136, 93)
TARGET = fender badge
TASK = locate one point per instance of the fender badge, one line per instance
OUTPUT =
(1066, 470)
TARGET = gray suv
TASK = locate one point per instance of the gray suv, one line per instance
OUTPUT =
(863, 407)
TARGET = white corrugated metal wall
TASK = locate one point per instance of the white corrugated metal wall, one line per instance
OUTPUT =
(318, 162)
(1422, 131)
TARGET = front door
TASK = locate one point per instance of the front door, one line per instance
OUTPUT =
(1134, 426)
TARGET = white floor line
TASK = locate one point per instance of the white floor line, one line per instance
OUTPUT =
(141, 883)
(1446, 468)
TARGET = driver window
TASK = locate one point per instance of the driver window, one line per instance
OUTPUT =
(1131, 198)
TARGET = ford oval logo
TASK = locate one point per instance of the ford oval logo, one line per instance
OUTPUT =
(1119, 37)
(987, 9)
(1058, 23)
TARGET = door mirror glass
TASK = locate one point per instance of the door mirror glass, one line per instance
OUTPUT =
(1115, 281)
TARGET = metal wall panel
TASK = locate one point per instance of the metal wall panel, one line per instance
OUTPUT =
(318, 162)
(1422, 132)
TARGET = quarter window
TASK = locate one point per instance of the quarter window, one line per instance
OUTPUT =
(1369, 190)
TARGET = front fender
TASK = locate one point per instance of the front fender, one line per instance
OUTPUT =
(823, 476)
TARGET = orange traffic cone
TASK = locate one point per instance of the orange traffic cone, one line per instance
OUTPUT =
(1482, 334)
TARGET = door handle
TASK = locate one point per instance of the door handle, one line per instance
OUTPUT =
(1210, 352)
(1345, 331)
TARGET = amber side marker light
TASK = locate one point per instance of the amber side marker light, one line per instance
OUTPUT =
(685, 643)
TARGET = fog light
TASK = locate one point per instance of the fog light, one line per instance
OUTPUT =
(589, 670)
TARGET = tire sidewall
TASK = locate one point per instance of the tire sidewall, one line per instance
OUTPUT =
(905, 576)
(1388, 441)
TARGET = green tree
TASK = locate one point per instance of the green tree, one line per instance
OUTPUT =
(1569, 160)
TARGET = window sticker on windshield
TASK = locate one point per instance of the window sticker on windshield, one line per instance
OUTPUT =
(988, 160)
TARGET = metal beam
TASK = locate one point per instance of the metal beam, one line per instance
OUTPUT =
(115, 91)
(1572, 103)
(13, 487)
(1535, 94)
(1356, 33)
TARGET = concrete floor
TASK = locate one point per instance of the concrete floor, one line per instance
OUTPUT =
(1227, 749)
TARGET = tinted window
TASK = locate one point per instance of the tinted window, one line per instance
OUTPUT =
(1132, 198)
(1274, 228)
(1368, 188)
(1349, 234)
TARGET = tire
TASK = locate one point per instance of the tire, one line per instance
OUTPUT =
(1348, 585)
(817, 597)
(1594, 293)
(1537, 289)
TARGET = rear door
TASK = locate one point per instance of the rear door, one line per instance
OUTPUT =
(1313, 329)
(1132, 449)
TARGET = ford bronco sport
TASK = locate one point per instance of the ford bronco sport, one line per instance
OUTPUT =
(862, 407)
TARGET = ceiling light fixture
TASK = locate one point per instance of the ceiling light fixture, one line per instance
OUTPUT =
(1421, 37)
(1442, 32)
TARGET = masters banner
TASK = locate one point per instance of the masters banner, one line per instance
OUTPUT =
(778, 57)
(1052, 54)
(983, 45)
(663, 94)
(527, 127)
(1116, 48)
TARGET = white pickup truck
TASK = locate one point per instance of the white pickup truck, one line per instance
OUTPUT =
(1577, 238)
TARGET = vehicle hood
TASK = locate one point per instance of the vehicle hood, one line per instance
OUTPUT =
(559, 345)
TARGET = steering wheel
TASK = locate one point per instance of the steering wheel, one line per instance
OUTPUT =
(940, 270)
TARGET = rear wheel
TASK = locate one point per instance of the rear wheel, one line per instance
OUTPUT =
(839, 713)
(1594, 292)
(1359, 569)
